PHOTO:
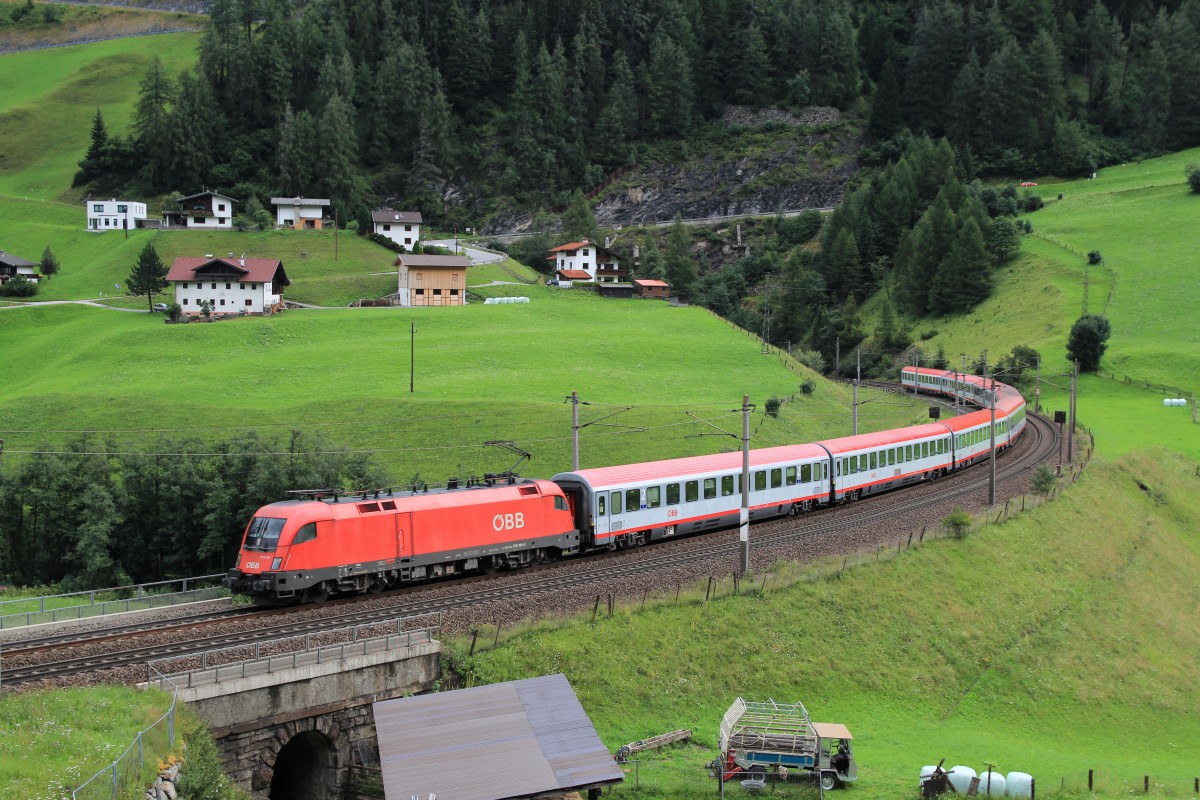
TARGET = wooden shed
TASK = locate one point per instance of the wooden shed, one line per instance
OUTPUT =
(652, 288)
(432, 280)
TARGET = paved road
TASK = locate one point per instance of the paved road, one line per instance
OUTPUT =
(93, 303)
(476, 255)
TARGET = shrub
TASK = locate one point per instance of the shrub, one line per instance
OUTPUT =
(1044, 478)
(174, 312)
(813, 360)
(773, 405)
(957, 523)
(808, 386)
(1193, 177)
(1094, 257)
(1030, 202)
(383, 241)
(929, 334)
(18, 287)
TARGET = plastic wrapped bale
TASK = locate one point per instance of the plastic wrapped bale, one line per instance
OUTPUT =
(960, 778)
(926, 771)
(1019, 784)
(992, 784)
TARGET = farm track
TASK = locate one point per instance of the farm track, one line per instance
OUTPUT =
(119, 655)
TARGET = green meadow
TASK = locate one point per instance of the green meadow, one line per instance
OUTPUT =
(1141, 217)
(481, 373)
(1062, 640)
(50, 96)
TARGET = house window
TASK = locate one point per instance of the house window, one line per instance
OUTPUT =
(220, 220)
(437, 292)
(122, 209)
(185, 286)
(419, 292)
(221, 207)
(585, 251)
(197, 220)
(99, 207)
(254, 286)
(454, 292)
(184, 301)
(222, 301)
(228, 286)
(241, 286)
(249, 301)
(408, 227)
(387, 228)
(408, 241)
(214, 286)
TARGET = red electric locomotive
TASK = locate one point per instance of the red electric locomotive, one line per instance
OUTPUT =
(321, 544)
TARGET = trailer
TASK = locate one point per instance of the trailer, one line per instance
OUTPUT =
(767, 741)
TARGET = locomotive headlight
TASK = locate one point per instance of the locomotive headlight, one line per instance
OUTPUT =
(276, 562)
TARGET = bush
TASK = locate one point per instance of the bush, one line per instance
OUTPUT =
(174, 312)
(383, 241)
(1044, 479)
(808, 386)
(1030, 202)
(957, 524)
(203, 776)
(772, 407)
(18, 287)
(1094, 257)
(813, 360)
(1193, 177)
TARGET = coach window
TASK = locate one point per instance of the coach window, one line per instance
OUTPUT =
(653, 496)
(616, 502)
(791, 476)
(710, 488)
(692, 491)
(760, 480)
(873, 464)
(306, 534)
(853, 465)
(726, 485)
(908, 452)
(776, 478)
(891, 456)
(600, 508)
(862, 462)
(806, 473)
(633, 499)
(672, 494)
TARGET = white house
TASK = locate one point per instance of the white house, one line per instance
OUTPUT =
(600, 264)
(11, 266)
(231, 286)
(114, 214)
(204, 210)
(402, 227)
(301, 213)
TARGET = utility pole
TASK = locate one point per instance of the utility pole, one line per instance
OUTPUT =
(992, 403)
(412, 356)
(837, 357)
(961, 401)
(574, 431)
(854, 394)
(916, 370)
(1071, 407)
(335, 236)
(1037, 387)
(744, 530)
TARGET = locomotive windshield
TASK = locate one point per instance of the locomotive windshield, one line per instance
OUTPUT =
(263, 533)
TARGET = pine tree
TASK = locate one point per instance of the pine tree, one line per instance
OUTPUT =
(751, 69)
(339, 154)
(938, 53)
(579, 222)
(198, 126)
(152, 134)
(618, 119)
(843, 266)
(963, 278)
(678, 264)
(92, 165)
(148, 275)
(886, 117)
(49, 265)
(671, 95)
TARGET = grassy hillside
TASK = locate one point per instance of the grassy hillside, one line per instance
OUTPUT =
(50, 96)
(58, 24)
(1137, 216)
(1051, 644)
(482, 373)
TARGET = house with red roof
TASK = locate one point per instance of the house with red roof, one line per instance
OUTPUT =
(230, 285)
(573, 258)
(651, 288)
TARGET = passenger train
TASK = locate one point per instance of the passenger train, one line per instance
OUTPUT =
(321, 543)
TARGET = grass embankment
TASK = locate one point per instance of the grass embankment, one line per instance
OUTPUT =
(59, 24)
(51, 96)
(1137, 216)
(1051, 644)
(482, 373)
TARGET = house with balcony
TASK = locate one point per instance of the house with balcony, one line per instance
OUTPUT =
(114, 214)
(11, 266)
(402, 227)
(584, 256)
(207, 210)
(300, 213)
(230, 286)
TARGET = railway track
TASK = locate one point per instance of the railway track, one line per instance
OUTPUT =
(120, 654)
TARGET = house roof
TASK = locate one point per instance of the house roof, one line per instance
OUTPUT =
(505, 740)
(183, 200)
(8, 259)
(650, 282)
(575, 274)
(258, 270)
(570, 246)
(298, 201)
(388, 215)
(433, 262)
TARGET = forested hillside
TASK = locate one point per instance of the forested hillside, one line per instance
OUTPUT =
(466, 106)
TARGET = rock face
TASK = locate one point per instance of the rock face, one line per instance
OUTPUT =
(763, 161)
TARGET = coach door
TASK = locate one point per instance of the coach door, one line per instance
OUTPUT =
(404, 547)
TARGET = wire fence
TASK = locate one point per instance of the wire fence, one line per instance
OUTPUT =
(130, 772)
(99, 602)
(1158, 388)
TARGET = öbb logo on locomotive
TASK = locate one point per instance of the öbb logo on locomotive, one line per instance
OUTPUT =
(308, 549)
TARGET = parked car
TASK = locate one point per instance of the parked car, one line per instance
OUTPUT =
(161, 307)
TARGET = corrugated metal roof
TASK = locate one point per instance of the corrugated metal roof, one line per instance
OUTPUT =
(602, 477)
(491, 742)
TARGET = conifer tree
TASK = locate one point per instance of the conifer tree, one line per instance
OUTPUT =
(678, 264)
(963, 277)
(148, 276)
(152, 134)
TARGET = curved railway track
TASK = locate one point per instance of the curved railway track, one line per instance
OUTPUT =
(120, 654)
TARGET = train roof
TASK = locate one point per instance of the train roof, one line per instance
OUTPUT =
(846, 444)
(692, 465)
(370, 502)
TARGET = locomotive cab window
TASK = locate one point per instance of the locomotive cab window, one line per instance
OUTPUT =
(692, 491)
(633, 499)
(616, 502)
(653, 496)
(306, 534)
(726, 485)
(672, 494)
(263, 533)
(560, 503)
(710, 488)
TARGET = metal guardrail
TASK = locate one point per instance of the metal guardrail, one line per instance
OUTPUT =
(142, 599)
(124, 775)
(291, 652)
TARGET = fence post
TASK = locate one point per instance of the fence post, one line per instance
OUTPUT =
(141, 756)
(171, 721)
(596, 608)
(114, 769)
(1090, 775)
